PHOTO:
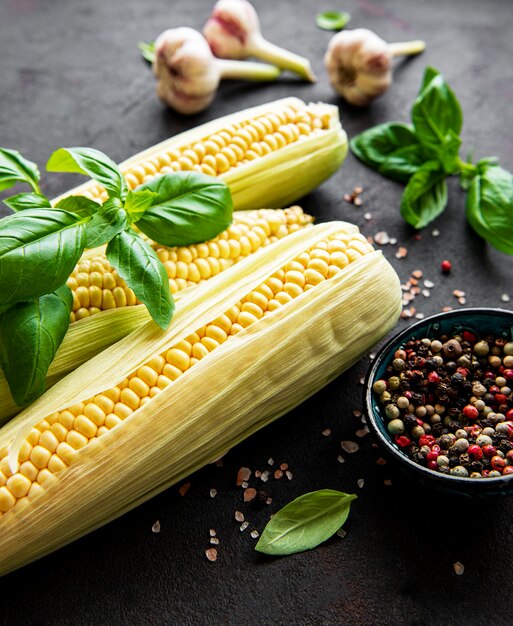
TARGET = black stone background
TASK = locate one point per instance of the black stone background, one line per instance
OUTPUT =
(71, 75)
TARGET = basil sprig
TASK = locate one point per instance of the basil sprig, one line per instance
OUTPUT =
(305, 522)
(40, 246)
(424, 154)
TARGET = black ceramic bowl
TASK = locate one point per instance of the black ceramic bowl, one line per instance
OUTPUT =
(479, 320)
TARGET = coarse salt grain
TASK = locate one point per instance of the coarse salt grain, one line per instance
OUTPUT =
(360, 482)
(254, 534)
(435, 232)
(392, 241)
(326, 432)
(249, 494)
(288, 474)
(349, 446)
(459, 568)
(401, 253)
(243, 475)
(212, 532)
(429, 284)
(243, 526)
(214, 541)
(244, 485)
(367, 216)
(381, 461)
(239, 516)
(265, 476)
(211, 554)
(362, 432)
(340, 459)
(419, 316)
(505, 297)
(381, 238)
(426, 293)
(270, 461)
(213, 493)
(341, 533)
(156, 527)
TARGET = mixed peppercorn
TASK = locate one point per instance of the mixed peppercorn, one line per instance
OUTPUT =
(448, 403)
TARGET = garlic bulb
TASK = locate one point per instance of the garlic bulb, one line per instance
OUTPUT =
(188, 74)
(359, 63)
(233, 32)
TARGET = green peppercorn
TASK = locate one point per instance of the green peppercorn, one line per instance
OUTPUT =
(426, 342)
(398, 364)
(500, 381)
(385, 397)
(478, 389)
(417, 431)
(461, 434)
(480, 405)
(481, 348)
(489, 431)
(427, 428)
(508, 348)
(430, 409)
(460, 445)
(495, 351)
(506, 390)
(442, 460)
(507, 361)
(475, 475)
(438, 360)
(435, 419)
(393, 383)
(460, 471)
(379, 387)
(392, 412)
(494, 361)
(464, 361)
(500, 417)
(440, 409)
(483, 440)
(494, 474)
(436, 346)
(396, 427)
(421, 411)
(403, 402)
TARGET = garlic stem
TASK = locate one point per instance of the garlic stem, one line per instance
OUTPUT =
(407, 48)
(263, 49)
(247, 70)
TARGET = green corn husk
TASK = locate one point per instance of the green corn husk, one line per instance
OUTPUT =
(253, 378)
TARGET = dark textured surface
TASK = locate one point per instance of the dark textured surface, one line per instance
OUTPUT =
(71, 75)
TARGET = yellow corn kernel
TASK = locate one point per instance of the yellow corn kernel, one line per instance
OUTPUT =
(18, 485)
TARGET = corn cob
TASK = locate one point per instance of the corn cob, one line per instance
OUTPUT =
(269, 155)
(96, 286)
(278, 326)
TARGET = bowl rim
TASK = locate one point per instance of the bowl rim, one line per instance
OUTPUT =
(386, 441)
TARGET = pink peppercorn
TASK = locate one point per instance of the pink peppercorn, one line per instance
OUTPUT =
(432, 465)
(402, 441)
(507, 470)
(508, 374)
(475, 452)
(433, 377)
(470, 412)
(501, 398)
(468, 336)
(498, 463)
(489, 451)
(426, 440)
(509, 415)
(446, 266)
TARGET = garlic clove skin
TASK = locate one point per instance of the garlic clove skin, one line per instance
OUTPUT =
(359, 65)
(186, 71)
(230, 28)
(233, 32)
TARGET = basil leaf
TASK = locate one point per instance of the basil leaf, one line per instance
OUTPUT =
(147, 51)
(188, 208)
(436, 110)
(490, 206)
(30, 200)
(30, 333)
(305, 522)
(332, 20)
(449, 152)
(392, 149)
(137, 202)
(14, 168)
(79, 205)
(139, 266)
(107, 222)
(425, 195)
(92, 163)
(429, 74)
(38, 251)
